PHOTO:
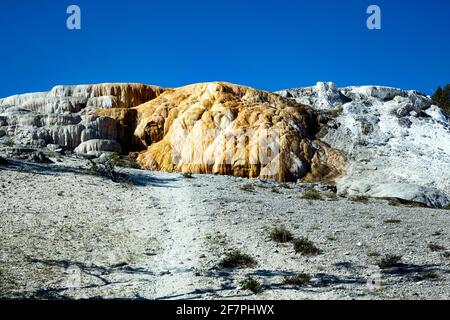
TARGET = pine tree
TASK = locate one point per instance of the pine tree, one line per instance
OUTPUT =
(442, 98)
(437, 96)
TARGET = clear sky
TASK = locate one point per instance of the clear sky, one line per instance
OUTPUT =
(268, 45)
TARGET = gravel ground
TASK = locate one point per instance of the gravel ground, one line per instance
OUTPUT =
(68, 234)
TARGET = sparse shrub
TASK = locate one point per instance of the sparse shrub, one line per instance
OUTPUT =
(447, 207)
(130, 160)
(330, 195)
(392, 221)
(187, 175)
(373, 254)
(275, 190)
(281, 234)
(108, 169)
(435, 247)
(430, 275)
(389, 261)
(311, 194)
(305, 247)
(8, 142)
(250, 283)
(237, 259)
(247, 187)
(394, 202)
(300, 280)
(360, 198)
(366, 128)
(284, 185)
(116, 160)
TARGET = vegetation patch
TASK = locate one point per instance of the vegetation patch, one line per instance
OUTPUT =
(281, 234)
(247, 187)
(360, 199)
(389, 261)
(8, 142)
(305, 247)
(109, 170)
(311, 194)
(442, 98)
(301, 279)
(187, 175)
(237, 259)
(392, 221)
(435, 247)
(250, 283)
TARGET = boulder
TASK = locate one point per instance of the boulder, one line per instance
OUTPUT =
(410, 192)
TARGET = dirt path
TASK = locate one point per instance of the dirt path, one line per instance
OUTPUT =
(181, 242)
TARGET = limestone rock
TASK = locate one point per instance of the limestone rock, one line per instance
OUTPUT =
(98, 146)
(222, 128)
(392, 139)
(64, 114)
(428, 196)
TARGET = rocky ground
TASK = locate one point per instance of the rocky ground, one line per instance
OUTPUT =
(66, 233)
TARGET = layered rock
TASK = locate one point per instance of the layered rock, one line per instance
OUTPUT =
(95, 146)
(222, 128)
(396, 141)
(63, 115)
(371, 140)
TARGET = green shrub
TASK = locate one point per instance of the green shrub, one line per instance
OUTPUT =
(305, 247)
(108, 170)
(359, 198)
(300, 279)
(280, 234)
(392, 221)
(311, 194)
(8, 142)
(237, 259)
(435, 247)
(247, 187)
(187, 175)
(389, 261)
(250, 283)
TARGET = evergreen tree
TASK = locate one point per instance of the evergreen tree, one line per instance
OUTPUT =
(442, 98)
(437, 96)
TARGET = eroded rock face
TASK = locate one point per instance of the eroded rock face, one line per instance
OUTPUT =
(63, 115)
(396, 141)
(370, 140)
(222, 128)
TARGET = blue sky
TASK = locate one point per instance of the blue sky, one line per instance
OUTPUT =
(268, 45)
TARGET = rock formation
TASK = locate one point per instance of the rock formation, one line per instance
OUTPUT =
(396, 141)
(375, 141)
(222, 128)
(62, 116)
